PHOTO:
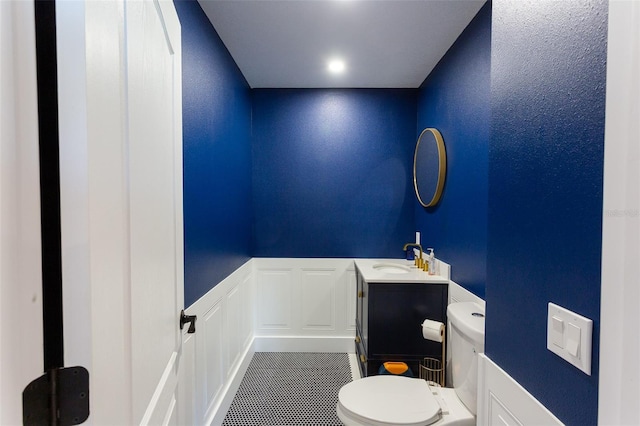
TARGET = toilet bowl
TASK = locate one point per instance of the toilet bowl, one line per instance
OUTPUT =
(402, 401)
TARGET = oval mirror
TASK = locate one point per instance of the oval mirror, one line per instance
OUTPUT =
(429, 167)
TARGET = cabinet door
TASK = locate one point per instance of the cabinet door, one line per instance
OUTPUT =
(396, 313)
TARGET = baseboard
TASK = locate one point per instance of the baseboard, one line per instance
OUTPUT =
(303, 344)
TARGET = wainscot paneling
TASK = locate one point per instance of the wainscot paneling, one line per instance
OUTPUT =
(502, 401)
(274, 293)
(457, 294)
(305, 304)
(214, 359)
(186, 381)
(318, 299)
(299, 305)
(213, 346)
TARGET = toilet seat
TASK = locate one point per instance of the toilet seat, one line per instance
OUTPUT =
(388, 400)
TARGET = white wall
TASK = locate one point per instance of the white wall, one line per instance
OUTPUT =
(281, 304)
(214, 359)
(269, 304)
(619, 381)
(305, 304)
(502, 401)
(265, 305)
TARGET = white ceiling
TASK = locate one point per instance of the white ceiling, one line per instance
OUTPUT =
(385, 43)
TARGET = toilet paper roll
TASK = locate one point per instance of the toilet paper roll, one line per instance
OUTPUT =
(433, 330)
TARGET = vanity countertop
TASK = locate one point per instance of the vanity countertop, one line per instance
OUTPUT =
(395, 271)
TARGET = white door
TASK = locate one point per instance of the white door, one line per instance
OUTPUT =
(121, 162)
(155, 208)
(21, 352)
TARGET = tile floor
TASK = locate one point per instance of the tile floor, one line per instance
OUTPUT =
(290, 389)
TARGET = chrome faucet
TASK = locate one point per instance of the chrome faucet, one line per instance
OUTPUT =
(419, 262)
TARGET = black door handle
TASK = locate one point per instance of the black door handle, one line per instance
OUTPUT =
(188, 319)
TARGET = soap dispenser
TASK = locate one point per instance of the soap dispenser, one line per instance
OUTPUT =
(431, 259)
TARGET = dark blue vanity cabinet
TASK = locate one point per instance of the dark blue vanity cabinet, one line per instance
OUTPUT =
(389, 320)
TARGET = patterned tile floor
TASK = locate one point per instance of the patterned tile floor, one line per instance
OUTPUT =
(290, 389)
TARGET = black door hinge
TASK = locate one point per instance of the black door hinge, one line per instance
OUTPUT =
(60, 397)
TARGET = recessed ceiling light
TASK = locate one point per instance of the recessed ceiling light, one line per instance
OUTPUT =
(336, 66)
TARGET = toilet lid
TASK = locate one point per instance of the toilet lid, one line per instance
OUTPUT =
(392, 400)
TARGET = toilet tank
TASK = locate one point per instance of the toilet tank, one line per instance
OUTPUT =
(466, 331)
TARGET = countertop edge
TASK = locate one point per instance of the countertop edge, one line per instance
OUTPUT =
(415, 276)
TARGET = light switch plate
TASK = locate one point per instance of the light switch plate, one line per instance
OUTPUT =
(575, 337)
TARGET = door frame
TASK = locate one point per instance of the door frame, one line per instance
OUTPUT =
(21, 325)
(618, 391)
(93, 202)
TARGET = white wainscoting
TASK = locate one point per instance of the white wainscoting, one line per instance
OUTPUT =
(269, 304)
(305, 304)
(302, 305)
(299, 305)
(502, 401)
(457, 293)
(214, 359)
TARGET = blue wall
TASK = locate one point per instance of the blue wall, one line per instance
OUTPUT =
(217, 156)
(455, 100)
(332, 172)
(545, 191)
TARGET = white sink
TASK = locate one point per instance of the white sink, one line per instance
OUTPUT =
(390, 268)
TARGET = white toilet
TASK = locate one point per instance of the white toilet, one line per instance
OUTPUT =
(402, 401)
